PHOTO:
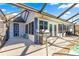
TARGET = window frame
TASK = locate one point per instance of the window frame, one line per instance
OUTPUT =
(42, 25)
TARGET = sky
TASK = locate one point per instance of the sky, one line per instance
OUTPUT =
(51, 8)
(7, 8)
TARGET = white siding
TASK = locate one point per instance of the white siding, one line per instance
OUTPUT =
(30, 19)
(11, 30)
(21, 29)
(31, 37)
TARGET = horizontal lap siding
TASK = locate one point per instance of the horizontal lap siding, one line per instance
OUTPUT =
(21, 29)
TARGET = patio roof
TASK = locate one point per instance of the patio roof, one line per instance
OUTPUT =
(64, 11)
(19, 19)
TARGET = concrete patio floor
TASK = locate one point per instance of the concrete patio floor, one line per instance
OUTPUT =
(21, 47)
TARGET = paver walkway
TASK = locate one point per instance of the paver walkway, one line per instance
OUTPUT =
(21, 47)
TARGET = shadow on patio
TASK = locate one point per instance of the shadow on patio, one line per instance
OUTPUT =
(31, 48)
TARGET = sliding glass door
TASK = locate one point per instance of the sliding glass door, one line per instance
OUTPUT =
(50, 27)
(55, 30)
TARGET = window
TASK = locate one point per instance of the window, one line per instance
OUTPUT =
(43, 25)
(31, 28)
(64, 28)
(60, 28)
(68, 27)
(50, 29)
(55, 30)
(26, 29)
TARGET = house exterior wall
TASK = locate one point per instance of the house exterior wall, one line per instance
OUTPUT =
(77, 29)
(53, 23)
(50, 22)
(21, 29)
(31, 18)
